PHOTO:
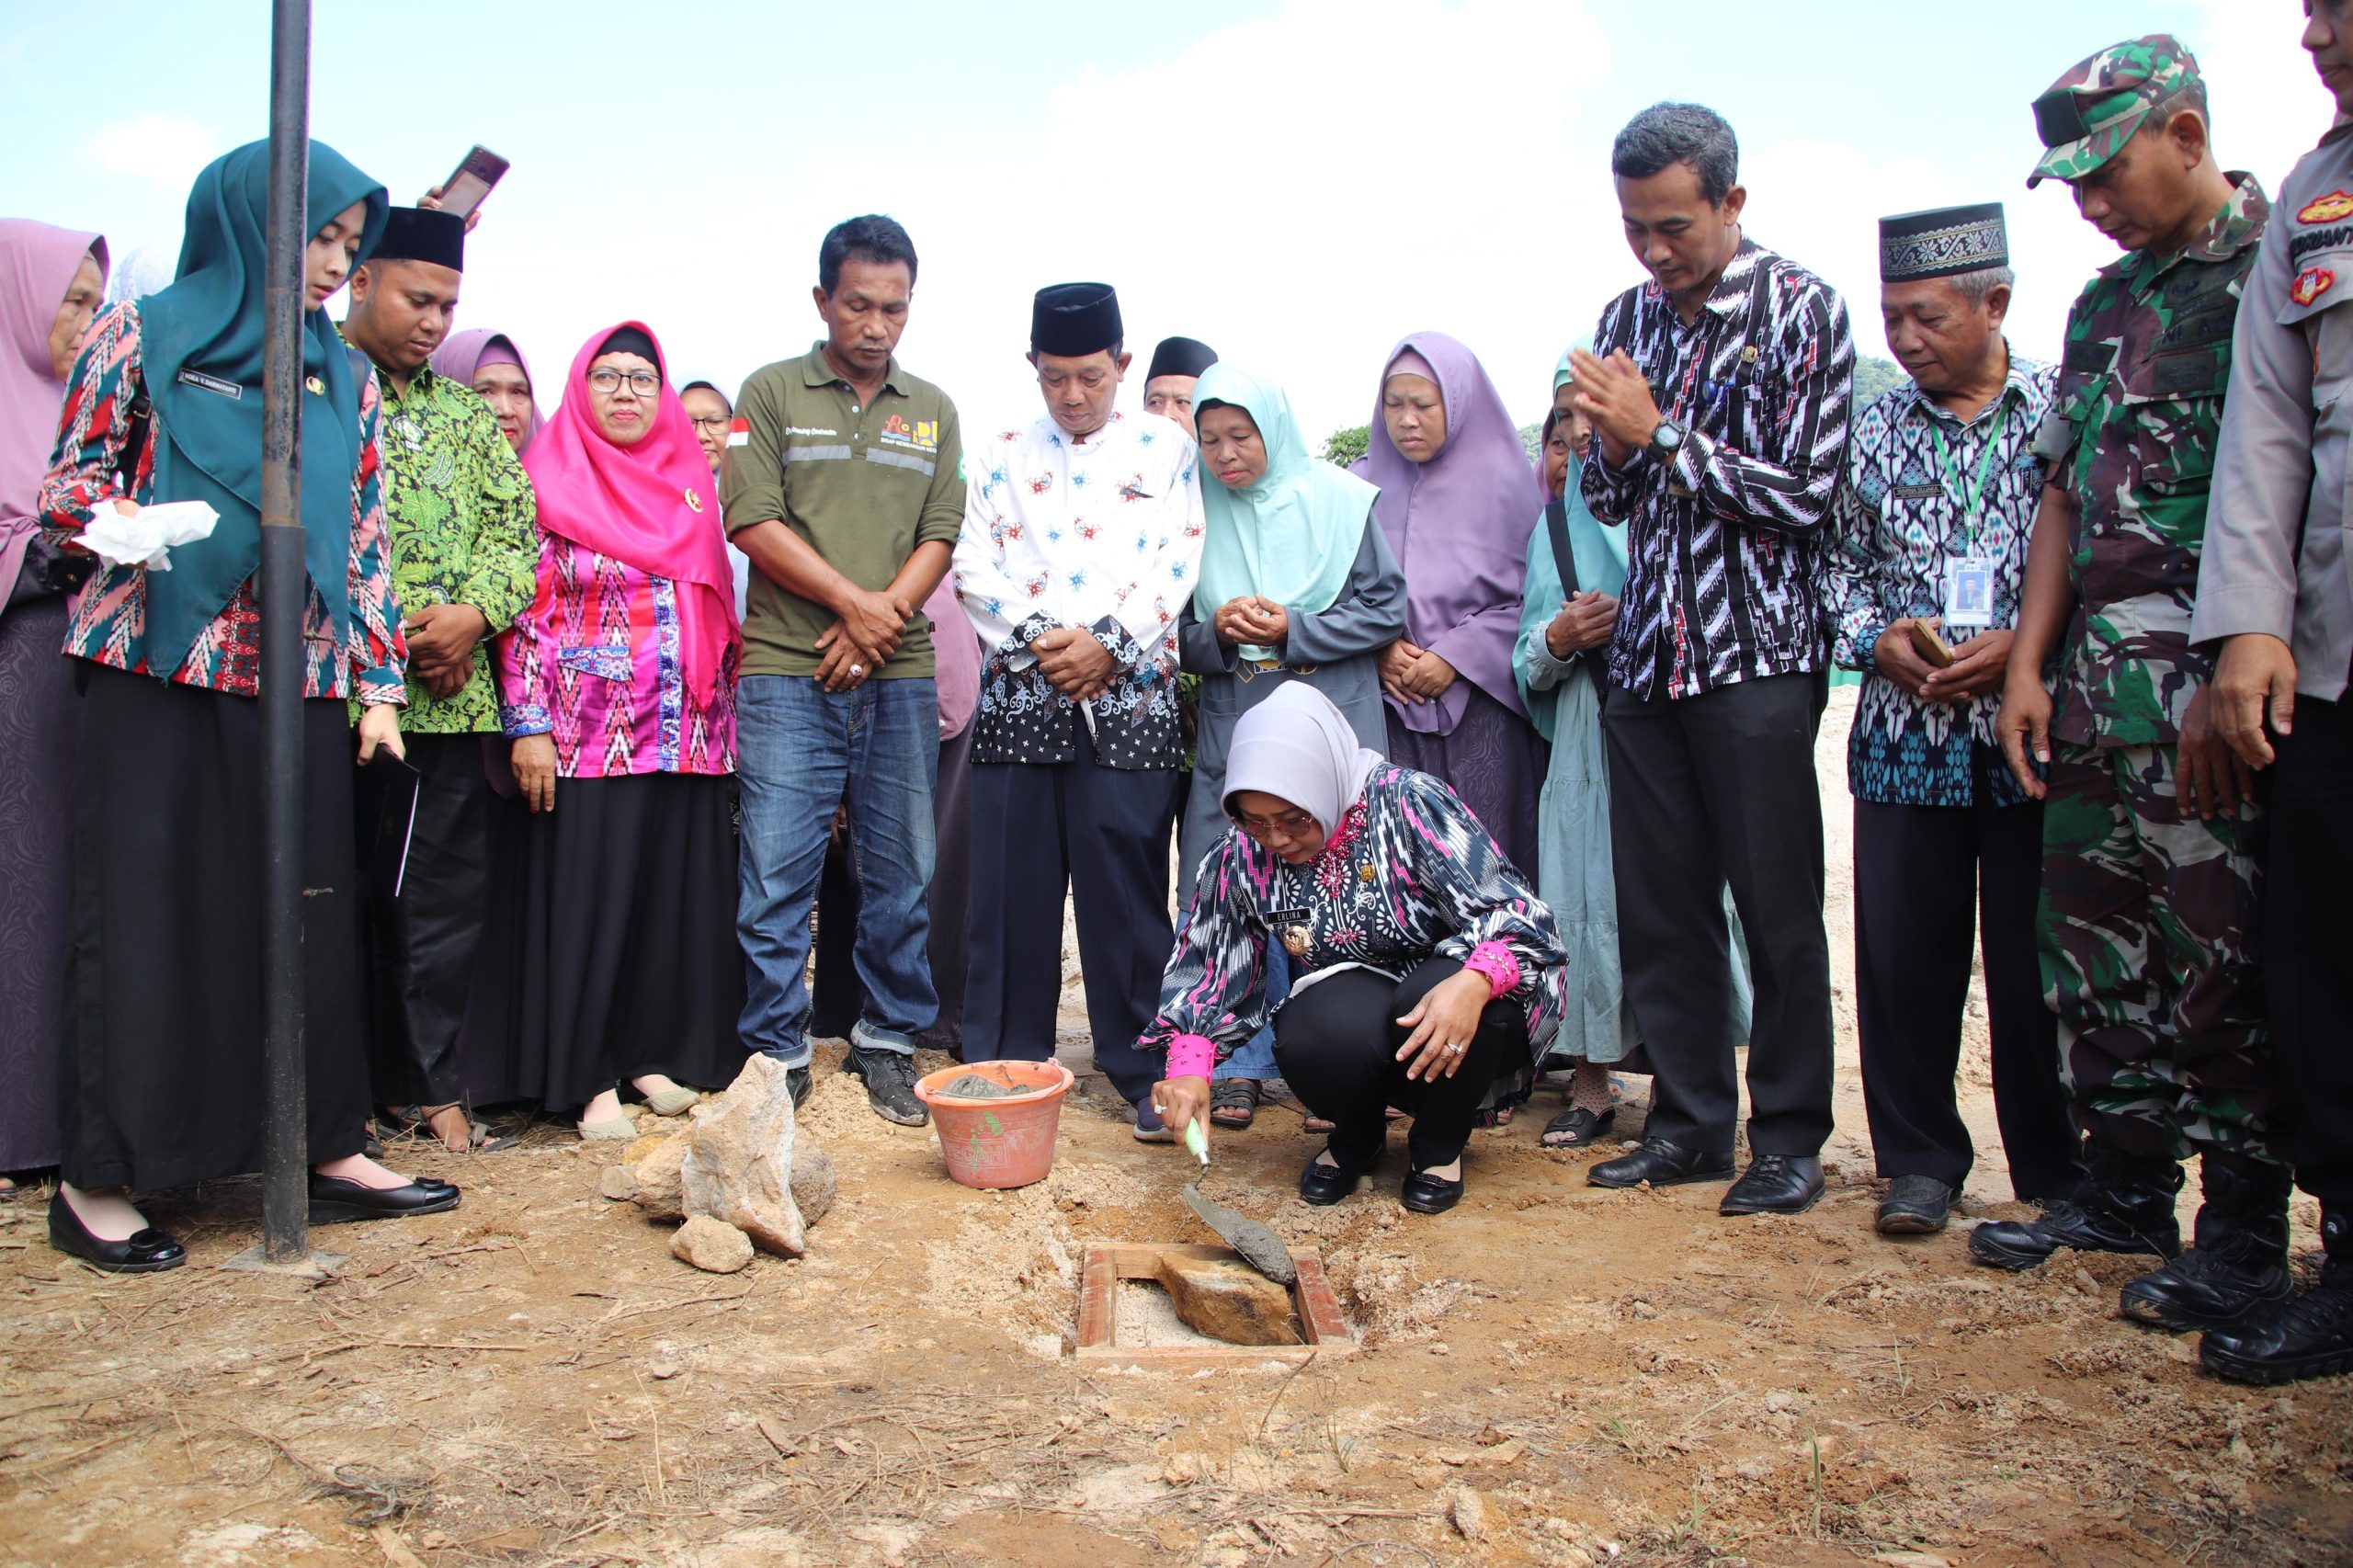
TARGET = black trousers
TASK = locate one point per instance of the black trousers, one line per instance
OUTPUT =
(835, 997)
(1706, 790)
(2308, 959)
(1930, 882)
(1101, 835)
(1337, 1041)
(420, 946)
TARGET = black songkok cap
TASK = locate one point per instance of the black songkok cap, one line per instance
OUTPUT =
(1073, 319)
(1180, 356)
(1942, 243)
(423, 233)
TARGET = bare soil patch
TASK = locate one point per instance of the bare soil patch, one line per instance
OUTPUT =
(1551, 1374)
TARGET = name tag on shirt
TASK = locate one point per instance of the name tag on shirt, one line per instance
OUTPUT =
(1969, 592)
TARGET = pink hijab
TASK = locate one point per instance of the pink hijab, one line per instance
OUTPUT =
(37, 265)
(652, 506)
(465, 353)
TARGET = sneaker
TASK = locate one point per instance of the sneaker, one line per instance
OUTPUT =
(890, 1085)
(1150, 1128)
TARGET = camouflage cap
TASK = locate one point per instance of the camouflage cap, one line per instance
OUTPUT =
(2093, 108)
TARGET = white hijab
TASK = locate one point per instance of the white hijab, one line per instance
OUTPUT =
(1298, 747)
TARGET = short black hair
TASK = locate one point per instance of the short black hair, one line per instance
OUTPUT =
(706, 386)
(1667, 134)
(873, 238)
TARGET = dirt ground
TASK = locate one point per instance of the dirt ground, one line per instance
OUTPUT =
(1551, 1374)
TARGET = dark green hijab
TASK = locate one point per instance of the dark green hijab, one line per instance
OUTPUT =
(202, 354)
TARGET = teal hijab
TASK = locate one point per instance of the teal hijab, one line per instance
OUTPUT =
(1598, 548)
(1291, 535)
(200, 349)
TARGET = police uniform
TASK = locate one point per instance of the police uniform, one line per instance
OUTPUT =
(2276, 564)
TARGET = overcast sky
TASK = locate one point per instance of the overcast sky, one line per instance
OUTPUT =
(1299, 183)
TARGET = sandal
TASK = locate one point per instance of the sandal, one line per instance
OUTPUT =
(1234, 1102)
(1577, 1128)
(1317, 1124)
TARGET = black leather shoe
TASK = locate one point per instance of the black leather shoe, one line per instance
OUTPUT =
(1775, 1184)
(149, 1251)
(797, 1080)
(1914, 1205)
(2309, 1335)
(1427, 1194)
(1660, 1163)
(1324, 1185)
(2126, 1206)
(334, 1199)
(2239, 1258)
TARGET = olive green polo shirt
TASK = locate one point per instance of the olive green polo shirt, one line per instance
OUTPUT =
(863, 485)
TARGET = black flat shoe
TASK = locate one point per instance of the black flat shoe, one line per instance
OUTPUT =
(149, 1251)
(1324, 1185)
(334, 1199)
(1914, 1205)
(1775, 1184)
(1427, 1194)
(1660, 1163)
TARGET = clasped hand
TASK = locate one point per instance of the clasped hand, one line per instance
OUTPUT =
(1413, 675)
(1253, 621)
(1616, 396)
(1074, 663)
(441, 642)
(862, 638)
(1584, 620)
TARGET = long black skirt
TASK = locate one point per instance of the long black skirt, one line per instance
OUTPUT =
(37, 710)
(160, 1075)
(610, 951)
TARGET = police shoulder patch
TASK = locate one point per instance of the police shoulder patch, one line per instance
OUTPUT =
(2311, 284)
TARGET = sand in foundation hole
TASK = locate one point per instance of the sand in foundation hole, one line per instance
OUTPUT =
(1145, 1317)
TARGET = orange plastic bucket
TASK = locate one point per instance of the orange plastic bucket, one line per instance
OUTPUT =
(1005, 1142)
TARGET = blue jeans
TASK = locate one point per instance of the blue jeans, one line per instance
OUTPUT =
(802, 750)
(1255, 1059)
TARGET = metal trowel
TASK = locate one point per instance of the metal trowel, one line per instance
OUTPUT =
(1260, 1247)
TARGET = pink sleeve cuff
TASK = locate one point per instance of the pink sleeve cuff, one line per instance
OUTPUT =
(1194, 1056)
(1497, 962)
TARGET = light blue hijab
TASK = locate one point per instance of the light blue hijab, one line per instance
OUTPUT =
(1291, 535)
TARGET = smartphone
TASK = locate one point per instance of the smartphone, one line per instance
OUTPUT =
(1930, 646)
(476, 172)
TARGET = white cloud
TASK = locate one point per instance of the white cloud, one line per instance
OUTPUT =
(165, 150)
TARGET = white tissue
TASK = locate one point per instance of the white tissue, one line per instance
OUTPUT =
(146, 538)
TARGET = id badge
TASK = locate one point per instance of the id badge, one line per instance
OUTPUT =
(1969, 593)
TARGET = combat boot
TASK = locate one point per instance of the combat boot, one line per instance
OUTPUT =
(2309, 1335)
(2239, 1258)
(2125, 1205)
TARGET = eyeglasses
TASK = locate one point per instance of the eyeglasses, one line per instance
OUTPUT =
(716, 422)
(1291, 827)
(644, 383)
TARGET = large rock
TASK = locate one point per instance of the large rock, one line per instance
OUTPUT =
(1226, 1299)
(712, 1245)
(661, 1190)
(739, 1159)
(815, 1185)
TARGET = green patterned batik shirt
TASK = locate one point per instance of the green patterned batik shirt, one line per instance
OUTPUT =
(464, 530)
(2133, 438)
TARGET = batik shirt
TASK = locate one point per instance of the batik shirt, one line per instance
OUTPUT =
(364, 657)
(1102, 535)
(595, 662)
(1899, 522)
(2133, 438)
(1723, 547)
(1408, 875)
(461, 519)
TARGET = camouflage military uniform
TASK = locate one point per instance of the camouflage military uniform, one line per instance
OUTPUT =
(2148, 913)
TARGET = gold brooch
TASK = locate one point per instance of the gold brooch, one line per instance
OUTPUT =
(1297, 940)
(317, 387)
(694, 500)
(1364, 873)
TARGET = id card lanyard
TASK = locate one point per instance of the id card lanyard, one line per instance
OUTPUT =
(1971, 488)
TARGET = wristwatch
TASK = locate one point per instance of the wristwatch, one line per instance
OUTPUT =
(1667, 440)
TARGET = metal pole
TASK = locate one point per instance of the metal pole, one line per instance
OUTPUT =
(285, 1205)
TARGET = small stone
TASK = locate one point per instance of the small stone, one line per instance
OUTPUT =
(659, 1189)
(1226, 1299)
(662, 1371)
(739, 1161)
(712, 1245)
(619, 1183)
(815, 1183)
(1441, 1349)
(1469, 1513)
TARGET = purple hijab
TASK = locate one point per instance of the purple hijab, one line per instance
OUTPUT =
(37, 265)
(1459, 526)
(463, 353)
